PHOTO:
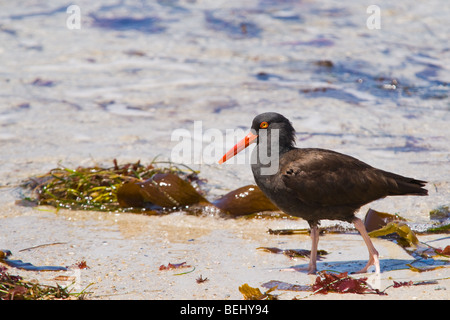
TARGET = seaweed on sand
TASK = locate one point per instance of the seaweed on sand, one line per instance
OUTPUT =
(341, 283)
(293, 253)
(251, 293)
(160, 187)
(96, 188)
(14, 287)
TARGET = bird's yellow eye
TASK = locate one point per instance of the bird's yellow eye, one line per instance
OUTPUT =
(264, 125)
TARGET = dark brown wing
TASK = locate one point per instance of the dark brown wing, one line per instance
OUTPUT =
(327, 178)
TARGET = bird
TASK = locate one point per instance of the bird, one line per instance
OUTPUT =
(317, 184)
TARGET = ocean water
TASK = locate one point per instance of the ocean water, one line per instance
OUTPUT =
(131, 79)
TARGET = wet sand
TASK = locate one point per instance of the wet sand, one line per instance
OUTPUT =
(119, 87)
(124, 253)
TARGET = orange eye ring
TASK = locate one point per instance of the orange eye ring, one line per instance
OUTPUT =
(264, 125)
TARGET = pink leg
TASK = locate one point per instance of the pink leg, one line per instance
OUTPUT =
(315, 242)
(373, 253)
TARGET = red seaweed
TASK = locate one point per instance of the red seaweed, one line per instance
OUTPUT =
(341, 283)
(172, 266)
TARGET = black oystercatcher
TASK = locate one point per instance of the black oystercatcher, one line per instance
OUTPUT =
(316, 184)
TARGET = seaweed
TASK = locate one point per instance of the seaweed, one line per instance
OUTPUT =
(375, 220)
(96, 188)
(158, 188)
(19, 264)
(407, 238)
(251, 293)
(423, 269)
(327, 282)
(293, 253)
(42, 245)
(244, 201)
(334, 282)
(341, 283)
(443, 252)
(402, 284)
(163, 190)
(201, 279)
(82, 265)
(269, 215)
(171, 266)
(285, 286)
(14, 287)
(439, 229)
(288, 231)
(332, 229)
(395, 228)
(175, 266)
(440, 213)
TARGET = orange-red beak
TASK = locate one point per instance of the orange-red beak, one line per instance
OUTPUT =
(241, 145)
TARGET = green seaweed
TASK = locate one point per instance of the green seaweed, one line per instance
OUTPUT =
(96, 188)
(441, 212)
(14, 287)
(158, 188)
(375, 220)
(441, 229)
(251, 293)
(407, 238)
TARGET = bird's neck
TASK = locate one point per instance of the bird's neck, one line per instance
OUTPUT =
(270, 147)
(276, 141)
(266, 158)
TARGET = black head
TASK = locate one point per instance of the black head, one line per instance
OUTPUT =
(268, 130)
(272, 120)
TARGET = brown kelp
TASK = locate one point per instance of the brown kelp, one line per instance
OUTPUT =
(157, 188)
(93, 188)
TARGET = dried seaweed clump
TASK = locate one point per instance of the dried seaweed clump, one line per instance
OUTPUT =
(133, 187)
(13, 287)
(93, 188)
(341, 283)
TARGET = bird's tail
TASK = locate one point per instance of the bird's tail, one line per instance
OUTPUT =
(406, 186)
